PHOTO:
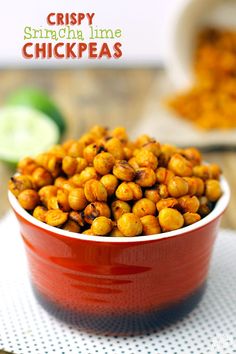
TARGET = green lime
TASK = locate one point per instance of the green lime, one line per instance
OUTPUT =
(39, 100)
(25, 131)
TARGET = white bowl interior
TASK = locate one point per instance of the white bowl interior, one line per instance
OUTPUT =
(218, 210)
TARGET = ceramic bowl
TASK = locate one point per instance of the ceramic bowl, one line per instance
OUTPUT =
(119, 285)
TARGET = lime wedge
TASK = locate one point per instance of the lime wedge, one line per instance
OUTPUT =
(25, 132)
(35, 98)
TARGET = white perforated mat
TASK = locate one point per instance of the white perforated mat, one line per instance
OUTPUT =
(26, 328)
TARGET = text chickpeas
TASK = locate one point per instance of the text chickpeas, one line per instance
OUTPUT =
(105, 185)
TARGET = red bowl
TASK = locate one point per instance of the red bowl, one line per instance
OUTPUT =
(120, 285)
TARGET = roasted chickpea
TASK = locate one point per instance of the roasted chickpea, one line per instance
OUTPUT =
(122, 170)
(120, 133)
(110, 182)
(28, 199)
(166, 203)
(114, 147)
(128, 152)
(50, 162)
(130, 225)
(45, 193)
(81, 164)
(205, 206)
(41, 177)
(193, 155)
(76, 149)
(180, 166)
(119, 207)
(146, 158)
(144, 207)
(145, 177)
(166, 152)
(87, 139)
(170, 219)
(88, 232)
(150, 224)
(52, 203)
(91, 151)
(102, 226)
(77, 217)
(177, 187)
(133, 162)
(191, 218)
(202, 172)
(19, 183)
(188, 203)
(68, 185)
(103, 163)
(59, 181)
(98, 131)
(95, 191)
(164, 175)
(67, 144)
(71, 226)
(154, 147)
(77, 199)
(63, 199)
(116, 232)
(152, 194)
(88, 173)
(56, 217)
(143, 140)
(213, 190)
(215, 171)
(27, 166)
(69, 165)
(96, 209)
(163, 191)
(58, 151)
(129, 191)
(40, 213)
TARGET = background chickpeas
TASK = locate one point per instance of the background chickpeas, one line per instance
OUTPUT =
(104, 184)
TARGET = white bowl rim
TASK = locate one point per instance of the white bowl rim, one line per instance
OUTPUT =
(216, 212)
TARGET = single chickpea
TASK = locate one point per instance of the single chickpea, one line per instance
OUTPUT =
(177, 187)
(166, 203)
(50, 162)
(119, 207)
(191, 218)
(164, 175)
(95, 191)
(98, 131)
(143, 140)
(215, 171)
(93, 210)
(68, 185)
(146, 158)
(28, 199)
(41, 177)
(129, 225)
(150, 224)
(71, 226)
(154, 147)
(52, 203)
(67, 144)
(192, 185)
(129, 191)
(145, 177)
(77, 199)
(88, 232)
(116, 232)
(101, 226)
(120, 133)
(76, 149)
(200, 186)
(163, 191)
(152, 194)
(205, 206)
(77, 217)
(45, 193)
(192, 154)
(81, 164)
(40, 213)
(122, 170)
(59, 181)
(90, 152)
(188, 203)
(56, 217)
(133, 163)
(103, 163)
(58, 151)
(202, 172)
(170, 219)
(180, 166)
(166, 152)
(63, 199)
(213, 190)
(114, 147)
(128, 152)
(144, 207)
(87, 139)
(27, 166)
(69, 165)
(110, 182)
(19, 183)
(88, 173)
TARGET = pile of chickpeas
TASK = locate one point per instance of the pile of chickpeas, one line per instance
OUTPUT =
(104, 184)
